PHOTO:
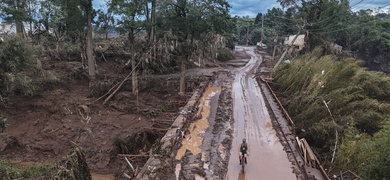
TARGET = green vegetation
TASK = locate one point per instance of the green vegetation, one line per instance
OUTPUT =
(18, 75)
(15, 55)
(225, 55)
(330, 24)
(15, 58)
(14, 171)
(359, 101)
(3, 124)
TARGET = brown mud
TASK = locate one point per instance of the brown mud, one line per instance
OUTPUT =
(45, 129)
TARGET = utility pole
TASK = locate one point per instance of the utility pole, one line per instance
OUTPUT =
(275, 43)
(288, 46)
(262, 28)
(247, 36)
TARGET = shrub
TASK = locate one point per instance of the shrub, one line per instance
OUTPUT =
(3, 124)
(15, 55)
(17, 75)
(359, 101)
(225, 55)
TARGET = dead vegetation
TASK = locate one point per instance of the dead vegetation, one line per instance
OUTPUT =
(74, 167)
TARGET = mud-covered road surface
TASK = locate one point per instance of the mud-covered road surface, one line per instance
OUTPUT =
(252, 121)
(233, 106)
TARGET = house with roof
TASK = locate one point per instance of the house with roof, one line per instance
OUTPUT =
(10, 28)
(299, 43)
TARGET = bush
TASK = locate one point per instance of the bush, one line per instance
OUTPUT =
(359, 101)
(69, 51)
(3, 124)
(368, 155)
(24, 85)
(15, 55)
(225, 55)
(17, 75)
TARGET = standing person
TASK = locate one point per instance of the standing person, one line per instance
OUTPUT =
(244, 149)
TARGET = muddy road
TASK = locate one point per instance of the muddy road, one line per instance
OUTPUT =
(252, 121)
(232, 106)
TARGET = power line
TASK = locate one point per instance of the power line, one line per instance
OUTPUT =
(357, 3)
(351, 17)
(352, 26)
(384, 6)
(361, 7)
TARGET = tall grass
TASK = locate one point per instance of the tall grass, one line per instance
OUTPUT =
(358, 99)
(14, 171)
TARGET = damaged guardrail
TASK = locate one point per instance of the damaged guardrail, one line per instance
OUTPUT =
(305, 151)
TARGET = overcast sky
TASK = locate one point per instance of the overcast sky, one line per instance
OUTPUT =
(252, 7)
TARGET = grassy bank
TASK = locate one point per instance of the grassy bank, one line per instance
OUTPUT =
(10, 171)
(332, 95)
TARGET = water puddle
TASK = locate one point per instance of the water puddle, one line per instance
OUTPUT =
(193, 141)
(268, 125)
(241, 176)
(102, 176)
(194, 138)
(198, 177)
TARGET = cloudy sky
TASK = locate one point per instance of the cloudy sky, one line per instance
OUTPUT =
(252, 7)
(383, 5)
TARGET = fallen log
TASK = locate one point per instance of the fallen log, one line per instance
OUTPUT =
(133, 155)
(155, 129)
(120, 85)
(108, 92)
(124, 80)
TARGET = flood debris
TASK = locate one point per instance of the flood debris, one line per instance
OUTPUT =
(74, 167)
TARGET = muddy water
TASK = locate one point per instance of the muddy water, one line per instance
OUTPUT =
(194, 138)
(267, 159)
(102, 176)
(193, 141)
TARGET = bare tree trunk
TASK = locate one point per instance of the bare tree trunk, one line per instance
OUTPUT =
(91, 60)
(133, 65)
(20, 29)
(30, 18)
(133, 68)
(153, 53)
(58, 46)
(153, 21)
(83, 50)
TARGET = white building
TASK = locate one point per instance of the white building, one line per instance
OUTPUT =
(299, 43)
